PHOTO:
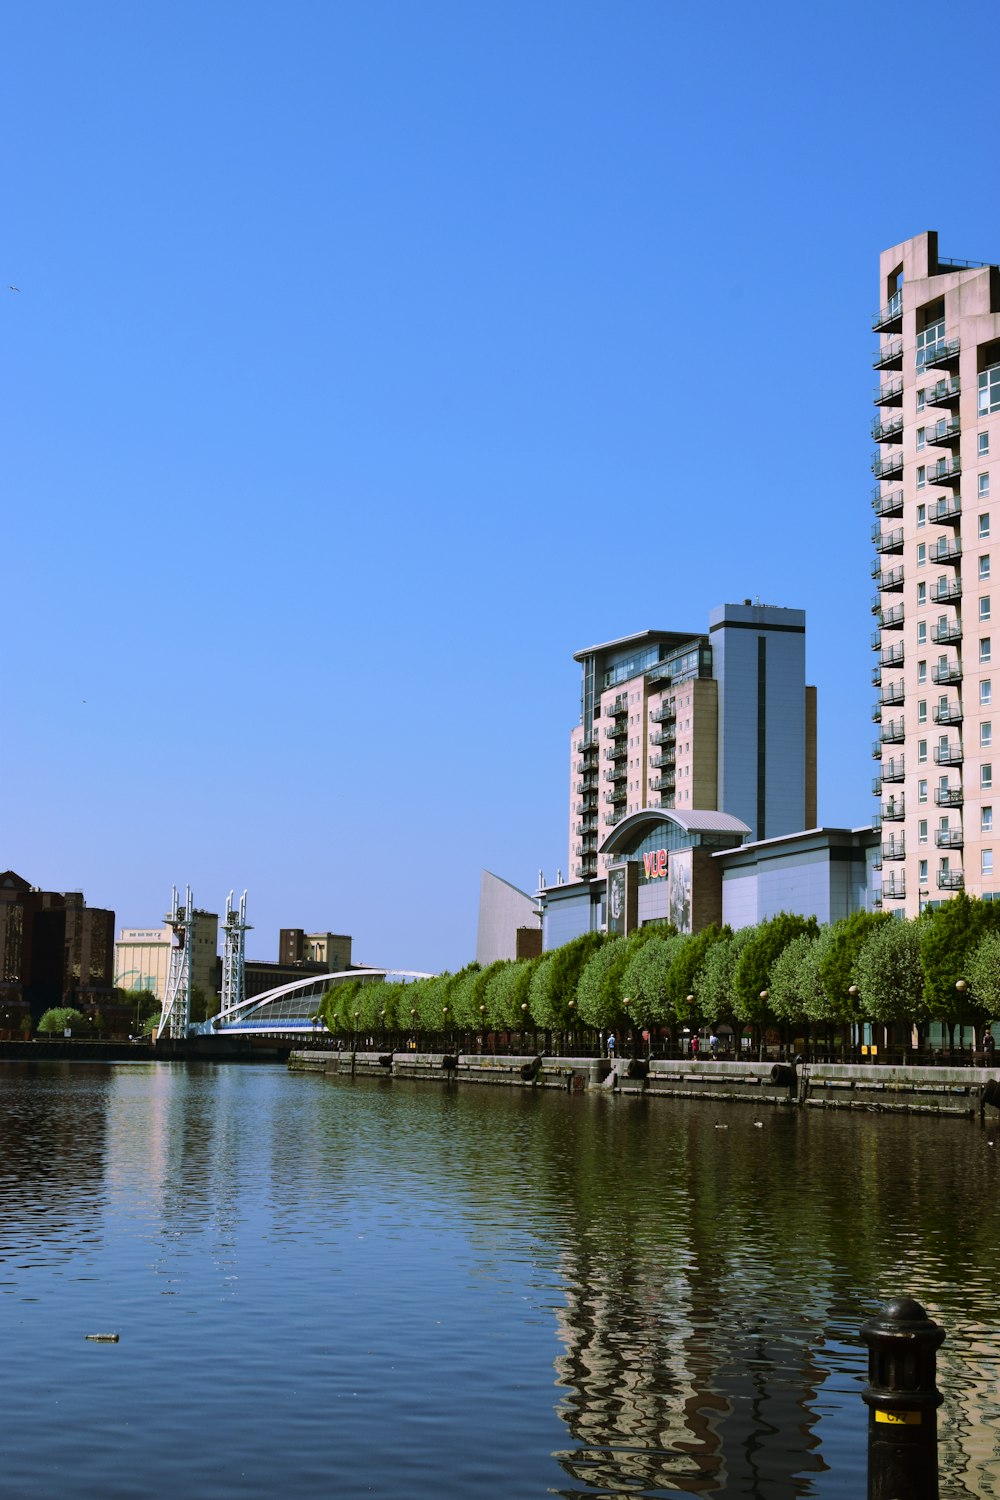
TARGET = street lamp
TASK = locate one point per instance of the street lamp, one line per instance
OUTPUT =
(571, 1006)
(764, 997)
(960, 989)
(413, 1024)
(852, 995)
(482, 1027)
(626, 1002)
(357, 1018)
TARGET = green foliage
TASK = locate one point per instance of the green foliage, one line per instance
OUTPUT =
(794, 979)
(555, 979)
(713, 981)
(752, 974)
(948, 937)
(59, 1019)
(983, 974)
(689, 955)
(889, 973)
(598, 994)
(644, 978)
(506, 991)
(839, 946)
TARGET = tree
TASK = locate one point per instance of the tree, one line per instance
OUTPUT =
(555, 979)
(793, 978)
(689, 954)
(889, 973)
(948, 937)
(836, 955)
(983, 973)
(507, 990)
(713, 980)
(752, 975)
(645, 976)
(59, 1019)
(598, 995)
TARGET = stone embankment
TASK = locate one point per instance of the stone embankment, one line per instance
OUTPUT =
(956, 1091)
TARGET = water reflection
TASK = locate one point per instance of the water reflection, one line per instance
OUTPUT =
(437, 1258)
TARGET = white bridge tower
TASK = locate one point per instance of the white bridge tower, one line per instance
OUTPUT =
(234, 986)
(177, 1000)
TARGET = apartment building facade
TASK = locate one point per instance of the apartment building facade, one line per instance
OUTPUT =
(721, 721)
(937, 433)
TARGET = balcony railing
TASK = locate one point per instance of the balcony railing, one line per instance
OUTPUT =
(889, 393)
(893, 693)
(946, 512)
(939, 356)
(664, 712)
(887, 429)
(876, 749)
(892, 619)
(665, 758)
(943, 434)
(949, 551)
(887, 505)
(890, 580)
(947, 472)
(951, 880)
(893, 656)
(663, 737)
(894, 886)
(946, 632)
(887, 541)
(943, 393)
(889, 319)
(617, 773)
(876, 822)
(894, 769)
(949, 838)
(948, 755)
(876, 786)
(946, 590)
(888, 356)
(893, 732)
(620, 794)
(615, 731)
(947, 675)
(889, 467)
(893, 810)
(894, 849)
(949, 796)
(664, 783)
(948, 713)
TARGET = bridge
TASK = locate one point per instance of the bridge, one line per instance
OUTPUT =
(288, 1012)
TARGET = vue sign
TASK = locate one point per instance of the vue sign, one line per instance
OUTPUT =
(655, 864)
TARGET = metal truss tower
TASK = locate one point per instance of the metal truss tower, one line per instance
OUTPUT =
(234, 987)
(177, 1000)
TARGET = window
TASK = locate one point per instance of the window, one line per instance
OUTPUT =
(921, 791)
(921, 400)
(985, 691)
(984, 607)
(984, 568)
(921, 671)
(986, 777)
(984, 485)
(922, 711)
(984, 444)
(922, 831)
(921, 594)
(986, 820)
(921, 477)
(989, 389)
(921, 632)
(921, 515)
(921, 751)
(986, 734)
(984, 527)
(984, 648)
(921, 554)
(923, 872)
(928, 340)
(921, 439)
(986, 861)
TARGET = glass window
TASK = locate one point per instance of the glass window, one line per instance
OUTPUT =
(921, 477)
(922, 711)
(923, 871)
(921, 632)
(928, 340)
(984, 527)
(921, 593)
(921, 671)
(921, 791)
(921, 438)
(921, 750)
(921, 400)
(984, 567)
(921, 554)
(984, 485)
(984, 648)
(986, 777)
(984, 607)
(986, 861)
(985, 691)
(922, 831)
(989, 389)
(921, 515)
(986, 819)
(986, 734)
(984, 444)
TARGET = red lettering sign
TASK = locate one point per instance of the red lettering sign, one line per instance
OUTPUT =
(655, 864)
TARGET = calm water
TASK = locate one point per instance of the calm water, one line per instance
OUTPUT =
(385, 1289)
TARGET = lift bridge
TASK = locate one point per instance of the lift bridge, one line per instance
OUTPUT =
(288, 1011)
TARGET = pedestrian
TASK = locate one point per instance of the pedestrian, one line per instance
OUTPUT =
(694, 1047)
(611, 1044)
(988, 1045)
(713, 1044)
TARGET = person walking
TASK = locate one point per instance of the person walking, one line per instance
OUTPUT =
(611, 1044)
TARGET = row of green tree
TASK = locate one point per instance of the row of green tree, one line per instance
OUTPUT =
(786, 971)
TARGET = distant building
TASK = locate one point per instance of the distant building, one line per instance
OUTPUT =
(332, 950)
(142, 957)
(509, 925)
(54, 949)
(826, 873)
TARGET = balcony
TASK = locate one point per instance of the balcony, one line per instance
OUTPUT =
(889, 467)
(947, 471)
(949, 838)
(889, 581)
(888, 356)
(617, 773)
(619, 750)
(891, 619)
(950, 880)
(949, 551)
(894, 769)
(948, 755)
(944, 434)
(894, 886)
(947, 675)
(876, 822)
(946, 633)
(940, 356)
(887, 541)
(946, 512)
(893, 810)
(887, 429)
(887, 505)
(613, 818)
(948, 713)
(664, 712)
(876, 713)
(615, 731)
(889, 319)
(889, 393)
(892, 732)
(892, 656)
(620, 794)
(620, 705)
(944, 393)
(894, 849)
(893, 693)
(663, 737)
(665, 758)
(876, 676)
(664, 783)
(876, 749)
(946, 590)
(876, 786)
(949, 796)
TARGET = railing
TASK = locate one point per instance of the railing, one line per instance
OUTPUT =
(949, 838)
(887, 505)
(893, 656)
(944, 392)
(891, 579)
(944, 432)
(894, 886)
(933, 356)
(887, 392)
(887, 541)
(892, 694)
(888, 356)
(663, 737)
(888, 315)
(889, 431)
(946, 512)
(946, 633)
(888, 467)
(951, 713)
(893, 811)
(949, 796)
(895, 849)
(894, 769)
(946, 589)
(948, 674)
(948, 755)
(892, 619)
(950, 880)
(663, 759)
(892, 732)
(945, 473)
(945, 552)
(665, 711)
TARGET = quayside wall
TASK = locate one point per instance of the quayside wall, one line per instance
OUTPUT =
(961, 1092)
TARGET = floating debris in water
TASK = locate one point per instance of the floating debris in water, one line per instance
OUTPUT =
(102, 1338)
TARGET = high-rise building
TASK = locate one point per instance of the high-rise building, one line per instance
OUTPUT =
(937, 426)
(54, 948)
(717, 722)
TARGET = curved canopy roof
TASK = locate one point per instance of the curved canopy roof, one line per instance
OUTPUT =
(633, 828)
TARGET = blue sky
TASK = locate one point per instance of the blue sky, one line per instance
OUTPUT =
(355, 343)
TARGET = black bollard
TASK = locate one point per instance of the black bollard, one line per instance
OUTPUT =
(902, 1400)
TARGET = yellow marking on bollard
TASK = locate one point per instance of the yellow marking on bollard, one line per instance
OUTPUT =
(899, 1418)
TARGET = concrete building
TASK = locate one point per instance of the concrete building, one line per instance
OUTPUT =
(826, 873)
(54, 948)
(331, 950)
(719, 722)
(509, 925)
(142, 957)
(937, 427)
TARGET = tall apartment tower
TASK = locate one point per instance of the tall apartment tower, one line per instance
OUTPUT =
(937, 426)
(716, 722)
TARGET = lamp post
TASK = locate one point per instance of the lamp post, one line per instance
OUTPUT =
(357, 1018)
(960, 989)
(524, 1017)
(686, 1030)
(482, 1028)
(765, 995)
(626, 1002)
(413, 1024)
(382, 1014)
(852, 995)
(570, 1008)
(444, 1009)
